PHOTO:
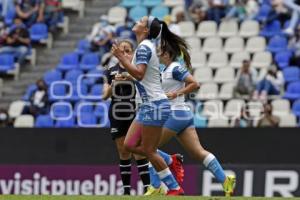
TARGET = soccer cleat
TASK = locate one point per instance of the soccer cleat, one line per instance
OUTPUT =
(177, 168)
(151, 191)
(178, 192)
(229, 185)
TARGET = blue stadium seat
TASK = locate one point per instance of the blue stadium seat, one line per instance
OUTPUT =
(263, 12)
(52, 76)
(59, 91)
(160, 12)
(73, 76)
(69, 61)
(61, 110)
(296, 108)
(102, 110)
(96, 92)
(30, 90)
(271, 29)
(277, 44)
(69, 123)
(38, 32)
(137, 12)
(152, 3)
(7, 62)
(44, 121)
(87, 120)
(291, 74)
(130, 3)
(10, 16)
(83, 47)
(89, 61)
(200, 121)
(81, 108)
(283, 59)
(83, 90)
(92, 80)
(293, 91)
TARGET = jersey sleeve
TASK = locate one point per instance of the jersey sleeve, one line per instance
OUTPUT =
(180, 73)
(143, 55)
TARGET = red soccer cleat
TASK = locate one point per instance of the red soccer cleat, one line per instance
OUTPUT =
(177, 168)
(178, 192)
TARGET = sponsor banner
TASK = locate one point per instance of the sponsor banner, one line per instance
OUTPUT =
(252, 180)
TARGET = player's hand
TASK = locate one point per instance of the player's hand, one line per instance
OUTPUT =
(120, 77)
(116, 51)
(171, 95)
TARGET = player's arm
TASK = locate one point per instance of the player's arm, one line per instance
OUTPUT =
(107, 91)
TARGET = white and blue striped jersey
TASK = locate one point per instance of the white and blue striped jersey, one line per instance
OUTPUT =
(173, 78)
(150, 88)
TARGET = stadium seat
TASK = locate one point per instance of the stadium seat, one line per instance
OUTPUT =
(83, 47)
(262, 60)
(203, 75)
(212, 109)
(8, 65)
(89, 61)
(29, 91)
(226, 91)
(234, 108)
(194, 43)
(200, 121)
(52, 76)
(255, 109)
(176, 10)
(187, 29)
(277, 44)
(256, 44)
(159, 11)
(44, 121)
(288, 121)
(68, 62)
(296, 108)
(117, 15)
(39, 32)
(224, 75)
(271, 29)
(283, 59)
(218, 60)
(77, 5)
(87, 120)
(281, 107)
(83, 107)
(10, 16)
(79, 92)
(130, 3)
(212, 44)
(249, 28)
(218, 123)
(291, 74)
(152, 3)
(59, 90)
(207, 29)
(173, 3)
(96, 92)
(92, 76)
(73, 76)
(61, 110)
(24, 121)
(68, 123)
(198, 59)
(263, 12)
(137, 12)
(228, 29)
(101, 110)
(293, 91)
(207, 91)
(16, 108)
(238, 58)
(234, 45)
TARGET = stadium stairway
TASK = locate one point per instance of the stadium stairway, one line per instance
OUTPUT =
(49, 58)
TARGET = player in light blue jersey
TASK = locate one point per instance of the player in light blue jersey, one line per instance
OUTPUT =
(177, 82)
(155, 108)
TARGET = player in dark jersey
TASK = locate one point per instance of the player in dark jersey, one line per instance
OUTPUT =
(121, 89)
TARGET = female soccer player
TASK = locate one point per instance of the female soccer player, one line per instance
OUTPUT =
(121, 89)
(177, 82)
(155, 107)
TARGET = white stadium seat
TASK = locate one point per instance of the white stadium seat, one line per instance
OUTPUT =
(176, 10)
(228, 29)
(207, 91)
(117, 15)
(203, 75)
(77, 5)
(218, 60)
(224, 75)
(281, 107)
(16, 109)
(24, 121)
(226, 91)
(212, 44)
(207, 29)
(194, 43)
(173, 3)
(233, 108)
(288, 121)
(256, 44)
(255, 109)
(249, 28)
(198, 59)
(234, 45)
(218, 123)
(212, 109)
(187, 29)
(262, 60)
(238, 58)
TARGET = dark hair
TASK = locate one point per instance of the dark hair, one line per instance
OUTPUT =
(127, 42)
(154, 29)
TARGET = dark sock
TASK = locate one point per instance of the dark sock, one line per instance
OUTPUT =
(125, 171)
(143, 168)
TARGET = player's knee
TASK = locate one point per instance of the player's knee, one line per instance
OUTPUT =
(128, 146)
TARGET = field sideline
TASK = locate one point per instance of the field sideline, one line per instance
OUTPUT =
(130, 198)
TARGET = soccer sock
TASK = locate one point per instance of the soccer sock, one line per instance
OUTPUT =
(143, 166)
(213, 165)
(154, 178)
(125, 170)
(168, 179)
(166, 157)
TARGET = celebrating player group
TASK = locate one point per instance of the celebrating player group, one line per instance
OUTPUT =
(145, 118)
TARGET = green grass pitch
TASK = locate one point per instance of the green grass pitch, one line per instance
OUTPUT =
(130, 198)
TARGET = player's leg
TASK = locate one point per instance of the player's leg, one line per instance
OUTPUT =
(133, 137)
(143, 166)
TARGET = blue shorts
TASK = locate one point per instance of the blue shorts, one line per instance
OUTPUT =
(154, 113)
(179, 120)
